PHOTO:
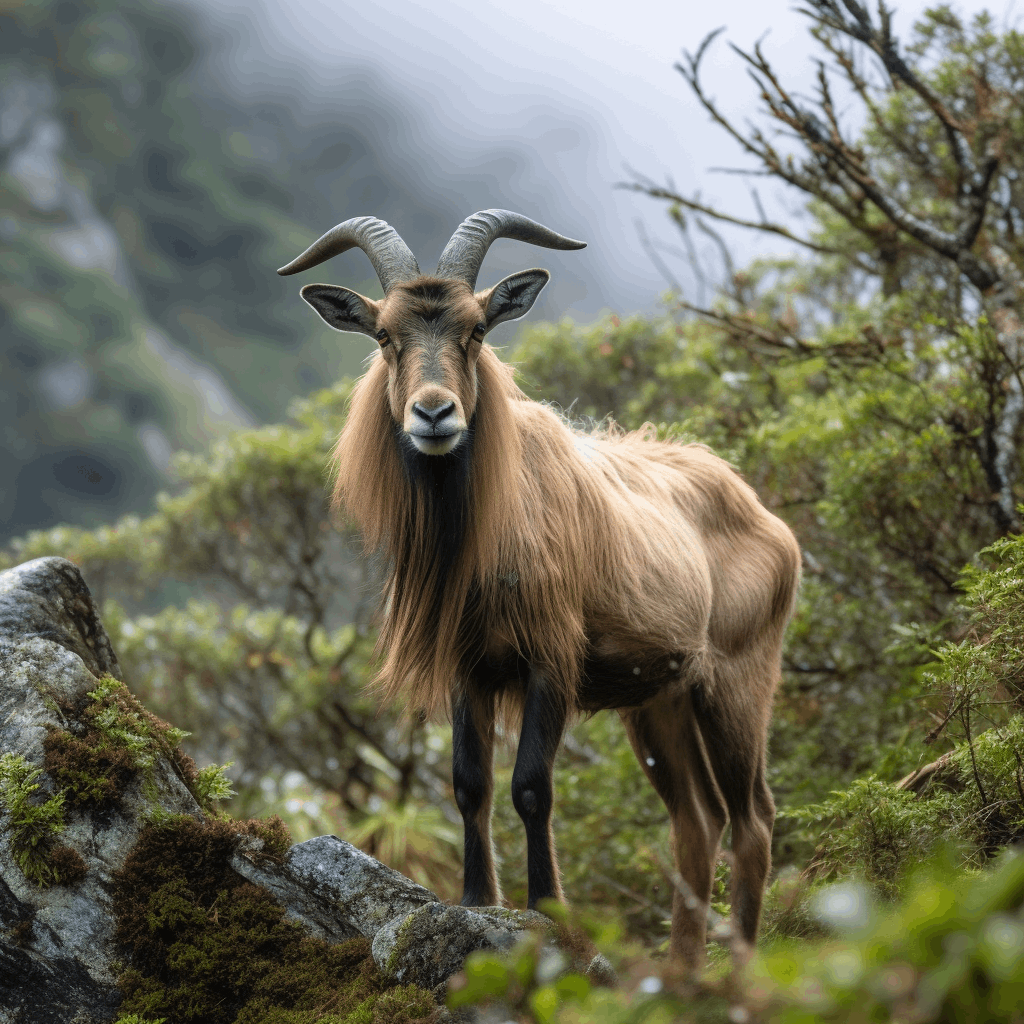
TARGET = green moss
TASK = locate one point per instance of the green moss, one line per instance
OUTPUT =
(121, 740)
(36, 825)
(203, 945)
(402, 939)
(403, 1003)
(90, 772)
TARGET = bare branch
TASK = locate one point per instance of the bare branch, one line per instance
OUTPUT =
(828, 147)
(776, 343)
(837, 172)
(656, 192)
(723, 249)
(655, 257)
(880, 41)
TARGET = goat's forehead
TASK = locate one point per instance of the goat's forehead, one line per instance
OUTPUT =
(430, 301)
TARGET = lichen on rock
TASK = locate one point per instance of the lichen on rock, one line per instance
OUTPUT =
(432, 942)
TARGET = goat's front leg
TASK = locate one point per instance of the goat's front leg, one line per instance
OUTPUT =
(544, 718)
(473, 779)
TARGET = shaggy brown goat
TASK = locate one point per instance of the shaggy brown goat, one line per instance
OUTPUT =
(541, 572)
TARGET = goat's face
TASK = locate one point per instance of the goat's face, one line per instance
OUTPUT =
(430, 331)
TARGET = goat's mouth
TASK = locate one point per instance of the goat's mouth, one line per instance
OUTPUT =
(436, 443)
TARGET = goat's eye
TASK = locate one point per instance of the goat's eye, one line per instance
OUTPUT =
(479, 331)
(382, 338)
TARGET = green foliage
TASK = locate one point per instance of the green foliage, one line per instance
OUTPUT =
(528, 980)
(535, 983)
(952, 950)
(788, 911)
(212, 785)
(990, 658)
(974, 802)
(35, 826)
(634, 370)
(874, 829)
(973, 795)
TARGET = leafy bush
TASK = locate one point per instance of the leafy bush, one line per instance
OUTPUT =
(951, 950)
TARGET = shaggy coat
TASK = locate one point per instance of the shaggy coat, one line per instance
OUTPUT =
(612, 564)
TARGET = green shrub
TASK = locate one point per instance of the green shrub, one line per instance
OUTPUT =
(951, 950)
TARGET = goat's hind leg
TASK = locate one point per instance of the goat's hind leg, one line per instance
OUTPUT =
(665, 739)
(733, 720)
(473, 780)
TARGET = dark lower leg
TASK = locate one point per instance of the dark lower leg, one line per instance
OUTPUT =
(544, 718)
(696, 851)
(472, 760)
(752, 858)
(735, 736)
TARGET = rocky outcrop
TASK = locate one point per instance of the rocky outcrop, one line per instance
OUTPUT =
(74, 800)
(57, 945)
(337, 892)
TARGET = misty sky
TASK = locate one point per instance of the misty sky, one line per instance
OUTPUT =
(584, 87)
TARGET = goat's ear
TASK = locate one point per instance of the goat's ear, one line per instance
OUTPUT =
(512, 298)
(343, 309)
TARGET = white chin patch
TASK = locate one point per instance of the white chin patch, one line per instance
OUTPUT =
(436, 445)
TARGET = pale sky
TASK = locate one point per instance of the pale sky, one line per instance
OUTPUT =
(476, 75)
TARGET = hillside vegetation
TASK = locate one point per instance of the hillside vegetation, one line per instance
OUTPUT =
(871, 392)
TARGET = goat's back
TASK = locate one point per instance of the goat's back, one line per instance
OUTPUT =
(672, 548)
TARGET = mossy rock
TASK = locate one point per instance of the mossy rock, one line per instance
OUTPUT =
(111, 741)
(203, 945)
(431, 944)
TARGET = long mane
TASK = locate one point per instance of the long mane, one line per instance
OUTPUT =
(438, 522)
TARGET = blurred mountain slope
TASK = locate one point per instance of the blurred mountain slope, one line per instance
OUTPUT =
(143, 211)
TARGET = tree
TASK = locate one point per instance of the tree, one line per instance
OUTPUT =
(925, 199)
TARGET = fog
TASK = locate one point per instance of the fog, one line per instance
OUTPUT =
(542, 108)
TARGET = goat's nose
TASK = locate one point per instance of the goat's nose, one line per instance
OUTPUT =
(435, 415)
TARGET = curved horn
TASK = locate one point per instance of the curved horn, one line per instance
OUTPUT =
(391, 257)
(465, 252)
